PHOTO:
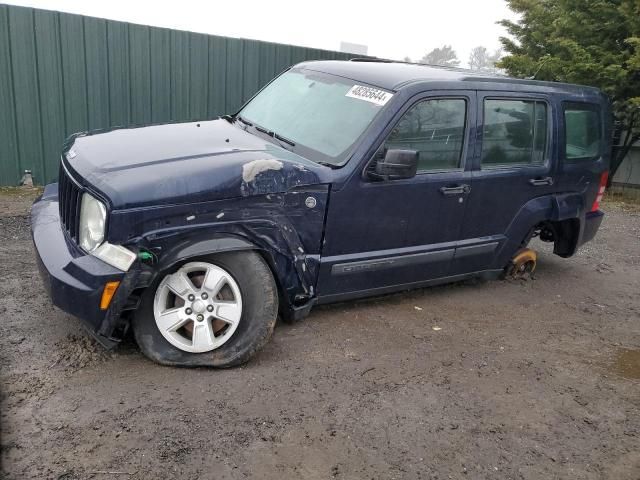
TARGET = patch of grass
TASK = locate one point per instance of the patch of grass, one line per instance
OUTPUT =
(21, 191)
(625, 199)
(16, 201)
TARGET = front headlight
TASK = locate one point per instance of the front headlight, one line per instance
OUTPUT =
(93, 215)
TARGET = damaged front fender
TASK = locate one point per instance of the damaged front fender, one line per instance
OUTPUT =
(285, 227)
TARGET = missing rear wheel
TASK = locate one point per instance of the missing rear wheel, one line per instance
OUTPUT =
(523, 264)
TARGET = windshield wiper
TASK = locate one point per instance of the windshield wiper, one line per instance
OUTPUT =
(244, 121)
(326, 164)
(275, 135)
(284, 139)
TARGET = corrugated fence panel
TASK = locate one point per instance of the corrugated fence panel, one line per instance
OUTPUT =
(217, 75)
(299, 54)
(179, 75)
(62, 73)
(95, 39)
(9, 159)
(25, 88)
(283, 57)
(160, 39)
(51, 88)
(74, 73)
(267, 68)
(198, 76)
(140, 65)
(251, 69)
(235, 65)
(119, 77)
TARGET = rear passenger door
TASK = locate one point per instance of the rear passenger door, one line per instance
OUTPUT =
(512, 166)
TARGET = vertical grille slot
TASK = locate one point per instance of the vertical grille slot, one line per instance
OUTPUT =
(69, 193)
(73, 225)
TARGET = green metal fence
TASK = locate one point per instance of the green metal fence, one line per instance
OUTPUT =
(62, 73)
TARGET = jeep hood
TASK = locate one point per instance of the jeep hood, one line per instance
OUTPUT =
(185, 163)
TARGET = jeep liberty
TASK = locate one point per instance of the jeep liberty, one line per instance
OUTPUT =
(338, 180)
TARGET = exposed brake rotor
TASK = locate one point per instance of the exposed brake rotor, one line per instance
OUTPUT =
(523, 264)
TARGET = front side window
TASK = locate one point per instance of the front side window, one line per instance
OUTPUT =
(435, 129)
(583, 132)
(514, 133)
(322, 114)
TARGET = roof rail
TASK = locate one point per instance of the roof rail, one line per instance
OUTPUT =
(468, 71)
(371, 59)
(442, 67)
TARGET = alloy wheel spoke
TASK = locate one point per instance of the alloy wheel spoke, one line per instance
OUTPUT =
(180, 284)
(228, 312)
(214, 280)
(203, 336)
(171, 320)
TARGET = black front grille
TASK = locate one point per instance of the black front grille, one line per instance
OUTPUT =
(69, 196)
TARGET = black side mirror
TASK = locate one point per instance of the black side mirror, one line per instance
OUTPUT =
(396, 165)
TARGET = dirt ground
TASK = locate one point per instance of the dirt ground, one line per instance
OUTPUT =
(536, 379)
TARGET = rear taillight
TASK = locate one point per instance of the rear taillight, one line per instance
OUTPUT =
(604, 176)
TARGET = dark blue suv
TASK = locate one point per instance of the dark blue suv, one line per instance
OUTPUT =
(338, 180)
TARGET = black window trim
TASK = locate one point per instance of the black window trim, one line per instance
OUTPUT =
(548, 142)
(588, 106)
(463, 151)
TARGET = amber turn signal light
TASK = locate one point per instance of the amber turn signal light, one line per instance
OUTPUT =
(107, 294)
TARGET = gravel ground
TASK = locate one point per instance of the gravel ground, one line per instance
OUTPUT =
(536, 379)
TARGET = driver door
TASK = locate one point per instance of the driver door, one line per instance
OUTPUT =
(382, 235)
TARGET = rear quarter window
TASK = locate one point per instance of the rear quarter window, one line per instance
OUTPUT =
(582, 132)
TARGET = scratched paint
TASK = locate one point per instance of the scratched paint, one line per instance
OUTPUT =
(252, 169)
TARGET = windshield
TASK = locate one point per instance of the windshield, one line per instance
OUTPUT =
(321, 114)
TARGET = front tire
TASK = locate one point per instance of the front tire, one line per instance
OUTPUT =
(215, 311)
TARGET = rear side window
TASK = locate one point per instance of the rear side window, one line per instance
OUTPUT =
(583, 132)
(515, 133)
(435, 129)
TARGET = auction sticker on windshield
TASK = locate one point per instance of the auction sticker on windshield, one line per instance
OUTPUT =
(369, 94)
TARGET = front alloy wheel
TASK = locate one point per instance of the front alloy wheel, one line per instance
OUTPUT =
(212, 311)
(198, 308)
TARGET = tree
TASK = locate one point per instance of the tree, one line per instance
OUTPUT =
(590, 42)
(494, 59)
(406, 59)
(480, 59)
(445, 56)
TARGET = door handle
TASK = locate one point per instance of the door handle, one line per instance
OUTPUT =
(539, 182)
(455, 190)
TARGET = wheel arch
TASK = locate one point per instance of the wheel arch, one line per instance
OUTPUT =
(563, 213)
(174, 252)
(190, 248)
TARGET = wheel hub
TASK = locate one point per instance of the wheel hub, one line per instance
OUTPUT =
(198, 306)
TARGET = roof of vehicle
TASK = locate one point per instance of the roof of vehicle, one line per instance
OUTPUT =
(395, 75)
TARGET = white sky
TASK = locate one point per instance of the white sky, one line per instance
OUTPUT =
(392, 29)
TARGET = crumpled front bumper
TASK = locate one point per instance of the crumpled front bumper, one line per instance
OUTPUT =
(73, 279)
